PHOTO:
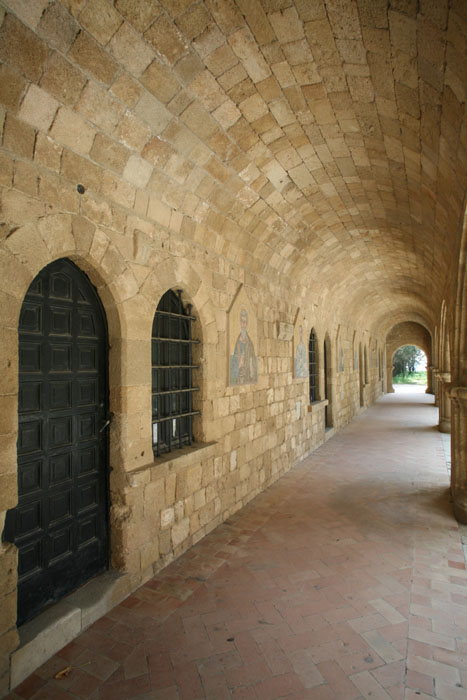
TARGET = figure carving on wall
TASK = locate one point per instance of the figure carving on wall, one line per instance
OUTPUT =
(301, 360)
(243, 362)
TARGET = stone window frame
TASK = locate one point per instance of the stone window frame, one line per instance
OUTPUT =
(174, 375)
(313, 367)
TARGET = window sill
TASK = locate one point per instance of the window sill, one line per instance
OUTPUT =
(317, 405)
(171, 462)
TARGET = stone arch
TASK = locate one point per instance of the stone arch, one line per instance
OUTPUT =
(180, 274)
(408, 333)
(361, 374)
(26, 251)
(458, 389)
(313, 376)
(443, 372)
(328, 380)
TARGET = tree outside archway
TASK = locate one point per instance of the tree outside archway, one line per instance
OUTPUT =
(406, 359)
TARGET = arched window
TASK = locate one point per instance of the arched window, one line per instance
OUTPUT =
(172, 374)
(313, 364)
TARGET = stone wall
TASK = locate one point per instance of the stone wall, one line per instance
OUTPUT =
(78, 89)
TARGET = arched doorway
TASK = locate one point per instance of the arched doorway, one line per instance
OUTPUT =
(327, 382)
(361, 381)
(60, 523)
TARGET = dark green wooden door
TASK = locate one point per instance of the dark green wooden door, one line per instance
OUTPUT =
(60, 522)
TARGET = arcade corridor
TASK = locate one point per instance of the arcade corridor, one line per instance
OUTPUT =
(346, 579)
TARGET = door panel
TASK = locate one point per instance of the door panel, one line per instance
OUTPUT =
(60, 522)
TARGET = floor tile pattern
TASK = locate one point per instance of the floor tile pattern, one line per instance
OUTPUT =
(343, 581)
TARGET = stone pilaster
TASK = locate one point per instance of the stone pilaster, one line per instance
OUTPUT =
(458, 396)
(389, 373)
(444, 403)
(429, 380)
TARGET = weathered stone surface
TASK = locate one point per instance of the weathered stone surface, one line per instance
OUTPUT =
(310, 153)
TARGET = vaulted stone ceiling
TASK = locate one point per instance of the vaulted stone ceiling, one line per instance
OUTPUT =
(322, 140)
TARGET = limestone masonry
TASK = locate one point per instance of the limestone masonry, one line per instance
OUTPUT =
(287, 164)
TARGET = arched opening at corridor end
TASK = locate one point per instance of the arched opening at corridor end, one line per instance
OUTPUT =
(412, 334)
(409, 364)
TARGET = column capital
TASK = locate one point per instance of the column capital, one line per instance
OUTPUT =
(458, 394)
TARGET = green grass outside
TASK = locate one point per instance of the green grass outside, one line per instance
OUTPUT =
(414, 378)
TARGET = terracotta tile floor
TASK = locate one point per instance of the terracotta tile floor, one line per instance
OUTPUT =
(346, 579)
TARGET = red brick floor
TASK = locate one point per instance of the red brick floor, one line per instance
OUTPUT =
(345, 580)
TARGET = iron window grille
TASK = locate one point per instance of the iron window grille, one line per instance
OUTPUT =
(172, 374)
(313, 366)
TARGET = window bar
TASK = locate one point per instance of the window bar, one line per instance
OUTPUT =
(177, 340)
(181, 415)
(174, 391)
(190, 378)
(180, 314)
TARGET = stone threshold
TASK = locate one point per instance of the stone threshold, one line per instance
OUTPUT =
(59, 624)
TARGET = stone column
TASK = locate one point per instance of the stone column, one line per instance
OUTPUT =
(436, 384)
(444, 403)
(459, 452)
(389, 371)
(429, 379)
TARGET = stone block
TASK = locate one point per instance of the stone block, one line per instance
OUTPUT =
(167, 517)
(100, 19)
(8, 612)
(22, 49)
(137, 171)
(253, 61)
(165, 543)
(257, 21)
(127, 89)
(83, 232)
(18, 137)
(29, 13)
(154, 496)
(121, 192)
(6, 169)
(221, 60)
(180, 532)
(159, 212)
(287, 25)
(166, 39)
(92, 58)
(157, 152)
(207, 90)
(8, 481)
(160, 81)
(170, 483)
(78, 170)
(99, 107)
(62, 79)
(141, 14)
(25, 177)
(12, 86)
(151, 111)
(47, 153)
(57, 27)
(70, 129)
(38, 108)
(132, 132)
(109, 153)
(131, 50)
(149, 553)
